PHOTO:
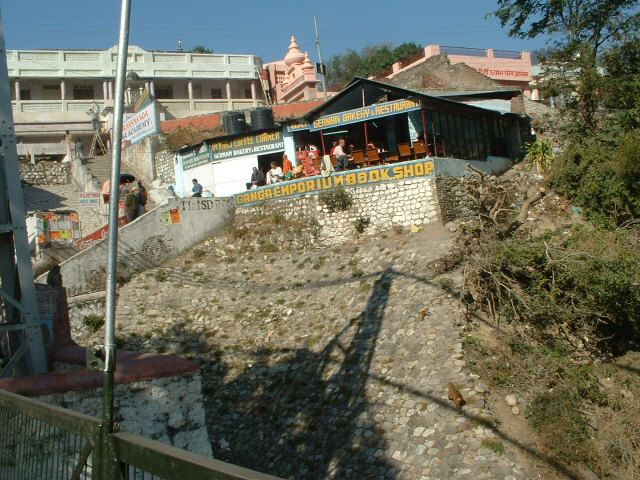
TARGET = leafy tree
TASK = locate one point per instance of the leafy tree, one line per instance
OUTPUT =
(372, 60)
(201, 49)
(578, 30)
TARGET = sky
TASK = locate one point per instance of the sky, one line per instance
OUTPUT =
(262, 28)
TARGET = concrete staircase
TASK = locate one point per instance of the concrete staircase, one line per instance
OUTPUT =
(99, 166)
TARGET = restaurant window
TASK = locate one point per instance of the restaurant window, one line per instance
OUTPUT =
(164, 91)
(216, 93)
(83, 92)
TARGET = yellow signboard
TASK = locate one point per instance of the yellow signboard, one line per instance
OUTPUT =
(351, 178)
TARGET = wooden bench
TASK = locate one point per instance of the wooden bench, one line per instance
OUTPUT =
(405, 152)
(357, 157)
(420, 149)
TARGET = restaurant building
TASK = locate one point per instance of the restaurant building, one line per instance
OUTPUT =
(380, 123)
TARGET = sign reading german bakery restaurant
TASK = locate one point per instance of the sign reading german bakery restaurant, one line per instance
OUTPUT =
(364, 114)
(351, 178)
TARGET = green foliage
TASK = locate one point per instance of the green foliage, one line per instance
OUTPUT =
(372, 60)
(557, 417)
(268, 248)
(539, 154)
(201, 49)
(586, 282)
(93, 321)
(577, 32)
(601, 175)
(361, 224)
(336, 199)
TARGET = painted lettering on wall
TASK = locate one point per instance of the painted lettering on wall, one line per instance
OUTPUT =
(192, 205)
(352, 178)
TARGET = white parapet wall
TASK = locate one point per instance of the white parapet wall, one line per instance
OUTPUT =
(169, 409)
(158, 235)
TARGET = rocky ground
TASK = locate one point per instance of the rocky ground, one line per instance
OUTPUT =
(323, 363)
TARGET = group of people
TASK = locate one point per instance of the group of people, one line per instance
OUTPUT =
(134, 196)
(287, 171)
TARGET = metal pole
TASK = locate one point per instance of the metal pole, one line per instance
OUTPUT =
(324, 85)
(112, 254)
(16, 273)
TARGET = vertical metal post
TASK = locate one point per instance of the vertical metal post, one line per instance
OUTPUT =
(324, 85)
(109, 465)
(16, 282)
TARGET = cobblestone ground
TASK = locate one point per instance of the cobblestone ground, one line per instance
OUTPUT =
(62, 197)
(317, 363)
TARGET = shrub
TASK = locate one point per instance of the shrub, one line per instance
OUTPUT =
(361, 224)
(93, 321)
(336, 200)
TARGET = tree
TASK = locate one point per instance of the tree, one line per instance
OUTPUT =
(201, 49)
(578, 31)
(372, 60)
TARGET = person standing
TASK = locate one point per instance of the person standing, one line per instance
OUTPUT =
(79, 149)
(197, 188)
(142, 198)
(132, 204)
(287, 166)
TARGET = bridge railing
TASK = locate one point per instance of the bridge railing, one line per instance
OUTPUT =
(41, 441)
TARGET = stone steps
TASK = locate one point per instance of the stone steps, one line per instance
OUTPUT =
(100, 167)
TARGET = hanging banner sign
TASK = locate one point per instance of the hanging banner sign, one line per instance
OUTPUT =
(351, 178)
(365, 114)
(247, 145)
(141, 124)
(195, 158)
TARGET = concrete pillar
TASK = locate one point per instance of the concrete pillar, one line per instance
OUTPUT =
(63, 88)
(110, 89)
(105, 90)
(254, 90)
(152, 88)
(17, 90)
(228, 89)
(190, 89)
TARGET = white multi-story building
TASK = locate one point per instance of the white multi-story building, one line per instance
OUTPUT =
(57, 90)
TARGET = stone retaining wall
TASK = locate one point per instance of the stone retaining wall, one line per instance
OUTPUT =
(147, 160)
(377, 207)
(168, 409)
(45, 172)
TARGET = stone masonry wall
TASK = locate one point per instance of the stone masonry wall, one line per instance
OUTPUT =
(453, 200)
(387, 205)
(169, 410)
(45, 172)
(147, 160)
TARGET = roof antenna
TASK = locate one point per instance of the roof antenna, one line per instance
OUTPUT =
(180, 49)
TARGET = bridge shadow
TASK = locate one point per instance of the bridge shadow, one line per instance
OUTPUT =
(305, 415)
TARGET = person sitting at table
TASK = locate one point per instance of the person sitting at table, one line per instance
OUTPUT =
(274, 175)
(341, 156)
(257, 179)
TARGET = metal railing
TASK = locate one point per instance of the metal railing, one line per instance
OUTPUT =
(44, 442)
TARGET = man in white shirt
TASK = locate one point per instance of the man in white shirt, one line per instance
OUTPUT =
(341, 156)
(274, 175)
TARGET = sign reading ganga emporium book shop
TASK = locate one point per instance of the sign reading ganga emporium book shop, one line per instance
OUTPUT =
(364, 114)
(351, 178)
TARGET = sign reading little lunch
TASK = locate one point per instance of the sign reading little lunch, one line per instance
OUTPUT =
(365, 113)
(351, 178)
